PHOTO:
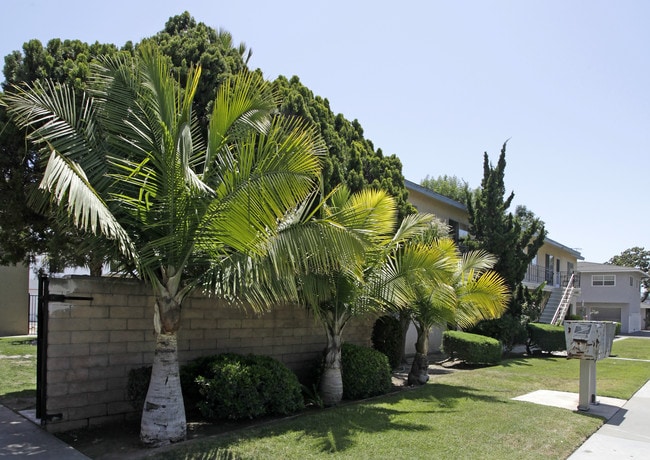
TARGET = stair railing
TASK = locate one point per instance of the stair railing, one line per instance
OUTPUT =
(562, 308)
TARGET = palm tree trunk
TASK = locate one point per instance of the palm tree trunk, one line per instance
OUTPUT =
(404, 322)
(331, 384)
(419, 374)
(163, 416)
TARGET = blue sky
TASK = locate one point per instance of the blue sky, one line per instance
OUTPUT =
(438, 83)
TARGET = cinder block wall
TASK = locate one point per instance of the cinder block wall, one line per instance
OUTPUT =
(93, 344)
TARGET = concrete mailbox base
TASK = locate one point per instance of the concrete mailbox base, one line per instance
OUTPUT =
(587, 395)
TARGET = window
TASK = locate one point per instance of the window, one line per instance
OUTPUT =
(603, 280)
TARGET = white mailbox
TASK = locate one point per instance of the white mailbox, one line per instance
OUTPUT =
(589, 339)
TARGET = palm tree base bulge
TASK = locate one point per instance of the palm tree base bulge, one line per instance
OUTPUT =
(163, 416)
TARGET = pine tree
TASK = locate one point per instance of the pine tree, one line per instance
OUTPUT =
(496, 230)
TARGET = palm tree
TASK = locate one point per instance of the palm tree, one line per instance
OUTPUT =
(357, 283)
(468, 294)
(184, 213)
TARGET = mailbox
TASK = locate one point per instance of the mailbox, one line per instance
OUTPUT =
(588, 341)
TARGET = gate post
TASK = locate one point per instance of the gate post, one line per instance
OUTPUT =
(41, 347)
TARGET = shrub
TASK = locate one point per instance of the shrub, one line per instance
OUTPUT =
(471, 348)
(618, 329)
(546, 337)
(237, 387)
(387, 338)
(507, 329)
(188, 375)
(366, 372)
(137, 386)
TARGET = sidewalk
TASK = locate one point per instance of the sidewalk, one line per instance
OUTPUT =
(625, 435)
(20, 437)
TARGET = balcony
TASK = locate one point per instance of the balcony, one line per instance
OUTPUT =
(537, 274)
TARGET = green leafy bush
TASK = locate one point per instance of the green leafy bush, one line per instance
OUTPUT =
(137, 386)
(471, 348)
(366, 372)
(387, 338)
(237, 387)
(546, 337)
(507, 329)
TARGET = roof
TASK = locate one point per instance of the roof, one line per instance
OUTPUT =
(593, 267)
(441, 198)
(433, 195)
(565, 248)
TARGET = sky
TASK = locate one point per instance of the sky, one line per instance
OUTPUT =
(439, 83)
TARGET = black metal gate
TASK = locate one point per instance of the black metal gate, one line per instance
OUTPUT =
(44, 299)
(41, 347)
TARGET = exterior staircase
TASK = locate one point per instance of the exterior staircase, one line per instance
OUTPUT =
(558, 304)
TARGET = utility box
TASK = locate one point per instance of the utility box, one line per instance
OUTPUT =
(589, 341)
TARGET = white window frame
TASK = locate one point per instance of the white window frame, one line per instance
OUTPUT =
(603, 280)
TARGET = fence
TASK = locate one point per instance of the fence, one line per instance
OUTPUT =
(92, 344)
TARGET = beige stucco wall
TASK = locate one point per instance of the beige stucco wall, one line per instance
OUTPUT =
(93, 344)
(14, 300)
(443, 211)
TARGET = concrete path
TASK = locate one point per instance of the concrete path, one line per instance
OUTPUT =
(20, 437)
(625, 435)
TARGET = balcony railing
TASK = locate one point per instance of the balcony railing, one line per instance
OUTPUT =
(538, 274)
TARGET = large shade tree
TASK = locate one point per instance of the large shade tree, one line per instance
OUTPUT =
(184, 212)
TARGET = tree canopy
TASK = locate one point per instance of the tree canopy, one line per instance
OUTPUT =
(351, 159)
(449, 186)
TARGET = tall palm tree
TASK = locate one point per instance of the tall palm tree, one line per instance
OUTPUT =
(185, 213)
(469, 293)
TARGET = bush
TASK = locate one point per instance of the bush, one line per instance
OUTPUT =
(471, 348)
(546, 337)
(137, 386)
(572, 317)
(237, 387)
(507, 329)
(387, 338)
(366, 372)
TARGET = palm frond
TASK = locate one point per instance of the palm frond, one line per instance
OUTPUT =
(68, 184)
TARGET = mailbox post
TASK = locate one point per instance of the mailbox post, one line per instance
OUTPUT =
(589, 341)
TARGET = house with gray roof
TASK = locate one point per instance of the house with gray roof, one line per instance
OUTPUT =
(611, 293)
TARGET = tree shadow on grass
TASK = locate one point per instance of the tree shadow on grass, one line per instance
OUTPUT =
(335, 430)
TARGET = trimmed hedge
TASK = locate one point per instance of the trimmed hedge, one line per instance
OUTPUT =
(236, 387)
(546, 337)
(387, 338)
(471, 348)
(365, 372)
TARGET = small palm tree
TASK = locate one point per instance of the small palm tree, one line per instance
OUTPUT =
(185, 213)
(467, 294)
(358, 282)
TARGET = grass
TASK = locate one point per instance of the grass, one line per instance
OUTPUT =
(462, 414)
(18, 372)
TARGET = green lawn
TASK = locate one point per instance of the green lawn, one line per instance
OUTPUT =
(465, 414)
(18, 372)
